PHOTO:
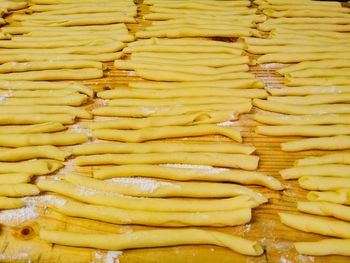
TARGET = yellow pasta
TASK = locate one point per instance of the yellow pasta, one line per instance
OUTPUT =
(304, 90)
(91, 196)
(339, 142)
(168, 146)
(37, 93)
(15, 178)
(304, 130)
(340, 196)
(336, 170)
(299, 57)
(312, 99)
(302, 119)
(153, 218)
(17, 190)
(325, 209)
(339, 157)
(246, 162)
(31, 152)
(32, 167)
(6, 119)
(324, 247)
(337, 63)
(156, 133)
(323, 183)
(320, 81)
(153, 238)
(70, 100)
(188, 173)
(35, 128)
(10, 203)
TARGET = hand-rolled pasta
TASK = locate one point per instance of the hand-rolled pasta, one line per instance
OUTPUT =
(10, 203)
(304, 130)
(156, 133)
(179, 93)
(135, 187)
(70, 100)
(91, 196)
(153, 218)
(304, 13)
(15, 178)
(9, 119)
(339, 142)
(133, 111)
(312, 99)
(188, 173)
(323, 183)
(162, 147)
(325, 209)
(324, 247)
(323, 64)
(57, 139)
(56, 74)
(301, 109)
(31, 152)
(153, 238)
(46, 65)
(340, 196)
(230, 84)
(303, 119)
(185, 119)
(32, 129)
(302, 91)
(103, 57)
(246, 162)
(339, 157)
(207, 62)
(162, 75)
(336, 170)
(299, 57)
(316, 224)
(193, 69)
(319, 81)
(295, 49)
(37, 93)
(32, 167)
(16, 190)
(45, 109)
(45, 85)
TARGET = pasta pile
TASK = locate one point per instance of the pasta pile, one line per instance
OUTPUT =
(200, 18)
(327, 177)
(314, 103)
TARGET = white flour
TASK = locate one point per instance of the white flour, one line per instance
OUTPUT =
(112, 256)
(2, 99)
(225, 123)
(14, 217)
(79, 129)
(204, 168)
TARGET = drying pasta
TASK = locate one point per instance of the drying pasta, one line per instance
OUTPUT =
(17, 190)
(10, 203)
(303, 119)
(325, 209)
(31, 152)
(15, 178)
(339, 157)
(246, 162)
(35, 128)
(304, 90)
(324, 247)
(336, 170)
(324, 183)
(340, 196)
(339, 142)
(162, 147)
(304, 130)
(189, 173)
(32, 167)
(70, 100)
(312, 99)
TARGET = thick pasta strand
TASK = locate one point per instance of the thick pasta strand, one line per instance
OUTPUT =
(332, 158)
(32, 129)
(336, 170)
(32, 167)
(340, 196)
(325, 183)
(31, 152)
(340, 142)
(325, 209)
(324, 247)
(304, 130)
(10, 203)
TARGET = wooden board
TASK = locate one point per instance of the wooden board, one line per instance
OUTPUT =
(21, 243)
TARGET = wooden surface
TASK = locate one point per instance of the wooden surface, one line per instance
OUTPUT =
(21, 243)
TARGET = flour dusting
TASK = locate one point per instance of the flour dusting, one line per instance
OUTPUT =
(112, 256)
(18, 216)
(203, 168)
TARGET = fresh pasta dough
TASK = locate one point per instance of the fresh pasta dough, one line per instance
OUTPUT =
(164, 189)
(302, 119)
(91, 196)
(153, 218)
(31, 152)
(337, 63)
(17, 190)
(162, 147)
(324, 183)
(246, 162)
(32, 167)
(45, 109)
(325, 209)
(173, 111)
(161, 121)
(56, 74)
(70, 100)
(33, 129)
(332, 158)
(57, 139)
(189, 173)
(304, 130)
(299, 57)
(155, 133)
(307, 90)
(316, 224)
(15, 178)
(336, 170)
(324, 247)
(37, 93)
(318, 81)
(312, 99)
(339, 142)
(10, 203)
(153, 238)
(340, 196)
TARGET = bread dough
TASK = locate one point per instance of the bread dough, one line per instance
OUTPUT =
(153, 218)
(316, 224)
(35, 128)
(17, 190)
(153, 238)
(325, 209)
(31, 152)
(332, 158)
(90, 196)
(162, 147)
(32, 167)
(156, 133)
(57, 139)
(201, 173)
(323, 183)
(340, 142)
(246, 162)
